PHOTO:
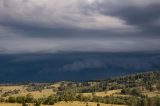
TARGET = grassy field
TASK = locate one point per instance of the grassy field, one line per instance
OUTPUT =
(56, 85)
(82, 104)
(65, 104)
(11, 88)
(108, 93)
(48, 92)
(24, 92)
(10, 104)
(37, 94)
(151, 94)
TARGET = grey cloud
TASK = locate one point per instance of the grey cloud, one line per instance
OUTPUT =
(47, 45)
(40, 20)
(114, 62)
(46, 17)
(80, 65)
(50, 26)
(143, 17)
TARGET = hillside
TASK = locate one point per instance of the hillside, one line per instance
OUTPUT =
(134, 90)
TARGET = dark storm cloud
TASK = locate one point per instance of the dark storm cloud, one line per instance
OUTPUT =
(146, 18)
(107, 62)
(50, 26)
(81, 18)
(84, 64)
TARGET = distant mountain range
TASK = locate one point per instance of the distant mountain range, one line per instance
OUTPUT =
(74, 66)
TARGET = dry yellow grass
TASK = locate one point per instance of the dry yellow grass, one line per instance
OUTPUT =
(56, 85)
(4, 89)
(8, 88)
(15, 104)
(63, 104)
(75, 103)
(10, 104)
(24, 92)
(38, 94)
(103, 94)
(118, 93)
(151, 94)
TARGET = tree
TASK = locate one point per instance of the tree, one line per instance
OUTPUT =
(98, 104)
(135, 92)
(29, 98)
(144, 102)
(150, 102)
(133, 101)
(126, 91)
(37, 103)
(87, 104)
(20, 99)
(51, 100)
(2, 99)
(79, 97)
(11, 99)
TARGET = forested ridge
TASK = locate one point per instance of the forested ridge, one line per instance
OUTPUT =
(134, 90)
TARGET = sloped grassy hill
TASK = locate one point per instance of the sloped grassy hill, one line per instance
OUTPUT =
(135, 90)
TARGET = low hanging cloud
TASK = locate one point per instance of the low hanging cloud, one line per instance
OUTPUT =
(112, 62)
(50, 26)
(84, 64)
(41, 45)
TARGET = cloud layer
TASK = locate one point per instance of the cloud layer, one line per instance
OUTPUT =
(49, 26)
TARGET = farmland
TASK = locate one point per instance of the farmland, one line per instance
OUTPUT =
(126, 90)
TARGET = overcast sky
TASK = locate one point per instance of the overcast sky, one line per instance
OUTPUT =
(51, 26)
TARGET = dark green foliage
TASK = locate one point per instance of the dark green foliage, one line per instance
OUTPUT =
(51, 100)
(36, 87)
(2, 99)
(149, 81)
(9, 93)
(129, 91)
(29, 98)
(20, 99)
(98, 104)
(126, 91)
(37, 103)
(135, 92)
(87, 104)
(144, 102)
(155, 101)
(79, 97)
(11, 99)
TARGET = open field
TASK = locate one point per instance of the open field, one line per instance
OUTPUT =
(10, 104)
(56, 85)
(37, 94)
(48, 92)
(82, 104)
(108, 93)
(151, 94)
(64, 104)
(12, 87)
(23, 91)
